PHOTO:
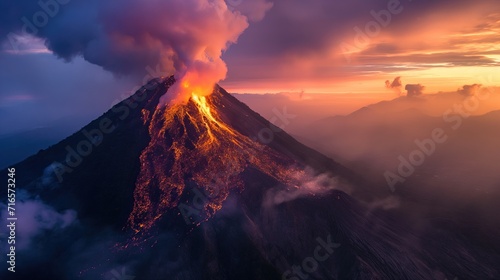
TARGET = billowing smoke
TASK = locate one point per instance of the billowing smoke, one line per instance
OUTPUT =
(200, 65)
(396, 85)
(37, 218)
(469, 90)
(185, 37)
(310, 185)
(414, 89)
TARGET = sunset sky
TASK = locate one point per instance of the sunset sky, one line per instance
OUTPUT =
(302, 45)
(314, 46)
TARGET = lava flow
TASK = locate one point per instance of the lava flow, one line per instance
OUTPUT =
(191, 146)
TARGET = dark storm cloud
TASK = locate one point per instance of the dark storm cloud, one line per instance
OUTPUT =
(111, 34)
(126, 36)
(131, 35)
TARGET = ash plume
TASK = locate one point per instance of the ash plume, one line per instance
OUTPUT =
(39, 219)
(126, 37)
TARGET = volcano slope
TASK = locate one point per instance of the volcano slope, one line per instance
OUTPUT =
(211, 190)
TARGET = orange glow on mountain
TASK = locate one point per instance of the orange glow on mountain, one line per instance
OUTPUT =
(198, 80)
(208, 118)
(192, 147)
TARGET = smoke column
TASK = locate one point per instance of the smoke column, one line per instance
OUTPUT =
(185, 37)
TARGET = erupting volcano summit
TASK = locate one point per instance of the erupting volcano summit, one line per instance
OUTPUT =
(192, 146)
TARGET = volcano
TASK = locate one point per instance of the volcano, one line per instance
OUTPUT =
(211, 190)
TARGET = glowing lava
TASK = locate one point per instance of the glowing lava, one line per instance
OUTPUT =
(190, 147)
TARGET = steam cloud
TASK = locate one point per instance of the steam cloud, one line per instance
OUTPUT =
(469, 90)
(130, 36)
(414, 89)
(396, 85)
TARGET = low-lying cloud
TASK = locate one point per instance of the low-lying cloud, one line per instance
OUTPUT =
(310, 185)
(469, 90)
(36, 218)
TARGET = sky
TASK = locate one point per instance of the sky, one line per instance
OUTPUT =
(83, 56)
(316, 46)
